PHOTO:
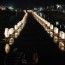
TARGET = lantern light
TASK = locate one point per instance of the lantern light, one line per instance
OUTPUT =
(51, 26)
(7, 48)
(48, 24)
(11, 41)
(11, 31)
(61, 45)
(56, 30)
(62, 35)
(6, 33)
(16, 34)
(15, 27)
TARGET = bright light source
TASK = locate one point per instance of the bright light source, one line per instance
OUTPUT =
(6, 32)
(62, 35)
(56, 30)
(11, 31)
(55, 39)
(57, 23)
(51, 34)
(7, 48)
(15, 27)
(48, 24)
(51, 27)
(16, 34)
(11, 41)
(61, 45)
(19, 24)
(11, 8)
(58, 6)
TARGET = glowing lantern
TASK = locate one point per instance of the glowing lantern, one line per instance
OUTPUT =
(56, 30)
(7, 48)
(61, 46)
(6, 33)
(15, 27)
(48, 24)
(51, 27)
(16, 34)
(11, 31)
(62, 35)
(11, 41)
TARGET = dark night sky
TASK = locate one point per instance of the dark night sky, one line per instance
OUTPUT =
(24, 3)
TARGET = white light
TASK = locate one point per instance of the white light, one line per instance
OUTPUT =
(56, 30)
(48, 24)
(11, 31)
(21, 21)
(19, 30)
(6, 33)
(11, 8)
(15, 27)
(57, 23)
(62, 35)
(18, 24)
(43, 21)
(51, 26)
(7, 48)
(58, 6)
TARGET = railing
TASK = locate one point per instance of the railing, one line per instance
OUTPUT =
(54, 32)
(13, 33)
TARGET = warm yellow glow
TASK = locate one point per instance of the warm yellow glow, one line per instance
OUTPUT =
(51, 34)
(48, 24)
(30, 11)
(7, 48)
(61, 46)
(11, 31)
(51, 27)
(48, 30)
(56, 30)
(15, 27)
(56, 39)
(19, 30)
(62, 35)
(6, 32)
(59, 36)
(24, 11)
(19, 24)
(11, 41)
(16, 34)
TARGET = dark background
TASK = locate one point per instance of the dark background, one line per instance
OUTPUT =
(25, 3)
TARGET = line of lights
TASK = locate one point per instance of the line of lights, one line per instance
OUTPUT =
(57, 35)
(13, 33)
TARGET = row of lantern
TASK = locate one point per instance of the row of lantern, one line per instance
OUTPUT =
(13, 33)
(57, 35)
